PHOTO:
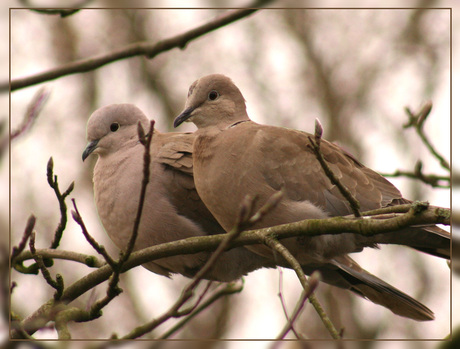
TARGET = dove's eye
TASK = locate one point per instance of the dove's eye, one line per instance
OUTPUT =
(213, 95)
(114, 127)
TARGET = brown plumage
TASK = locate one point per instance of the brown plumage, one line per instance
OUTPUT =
(234, 157)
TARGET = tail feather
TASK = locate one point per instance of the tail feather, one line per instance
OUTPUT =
(344, 272)
(429, 239)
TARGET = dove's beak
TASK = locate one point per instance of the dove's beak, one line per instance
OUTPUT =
(184, 116)
(89, 149)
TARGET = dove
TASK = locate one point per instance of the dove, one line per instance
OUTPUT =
(234, 157)
(172, 208)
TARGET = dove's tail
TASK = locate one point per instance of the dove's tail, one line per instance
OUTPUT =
(344, 272)
(430, 239)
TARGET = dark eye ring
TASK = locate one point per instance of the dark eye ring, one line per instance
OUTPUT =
(213, 95)
(114, 127)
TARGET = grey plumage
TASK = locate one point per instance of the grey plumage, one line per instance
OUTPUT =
(172, 208)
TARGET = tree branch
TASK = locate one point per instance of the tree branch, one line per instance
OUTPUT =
(57, 284)
(88, 260)
(147, 49)
(65, 316)
(417, 121)
(417, 214)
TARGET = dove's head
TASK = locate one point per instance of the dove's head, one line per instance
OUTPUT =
(111, 127)
(213, 100)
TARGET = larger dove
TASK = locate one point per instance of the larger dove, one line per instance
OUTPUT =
(234, 157)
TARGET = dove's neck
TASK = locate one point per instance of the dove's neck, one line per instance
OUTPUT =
(237, 123)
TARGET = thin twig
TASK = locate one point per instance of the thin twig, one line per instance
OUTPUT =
(33, 111)
(283, 303)
(57, 284)
(34, 108)
(417, 121)
(436, 181)
(97, 247)
(53, 183)
(145, 182)
(315, 145)
(276, 246)
(25, 237)
(280, 292)
(146, 49)
(313, 281)
(266, 208)
(228, 289)
(113, 289)
(13, 286)
(190, 309)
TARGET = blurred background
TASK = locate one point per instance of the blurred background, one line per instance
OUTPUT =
(353, 69)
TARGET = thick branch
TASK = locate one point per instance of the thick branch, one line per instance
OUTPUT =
(146, 49)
